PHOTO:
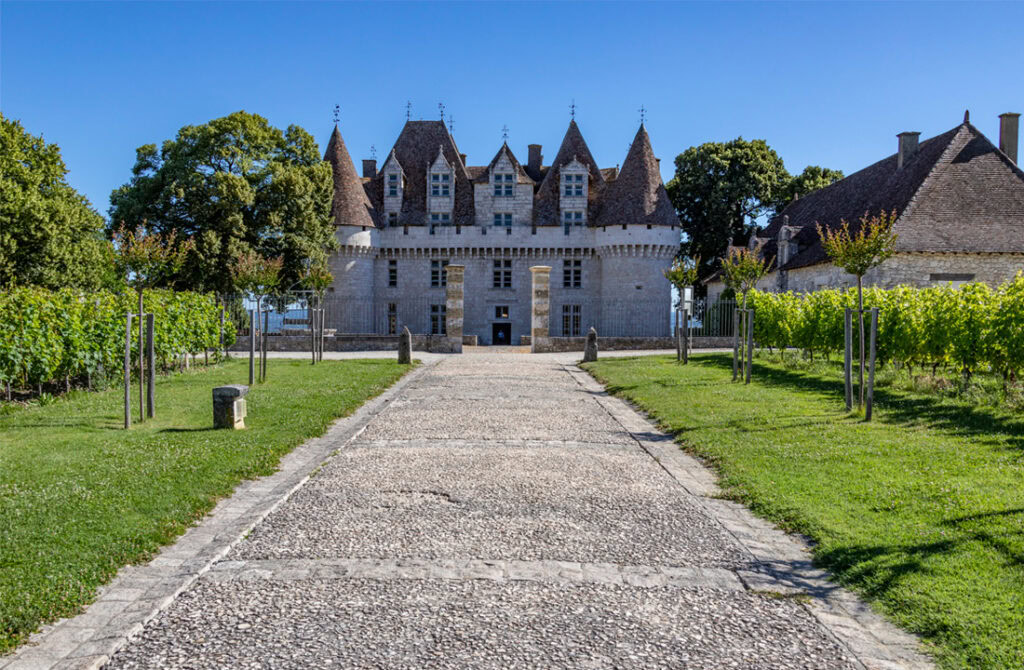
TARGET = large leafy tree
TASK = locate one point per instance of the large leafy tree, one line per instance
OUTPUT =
(234, 186)
(810, 180)
(720, 189)
(50, 235)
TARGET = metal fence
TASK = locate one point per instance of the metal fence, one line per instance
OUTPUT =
(289, 315)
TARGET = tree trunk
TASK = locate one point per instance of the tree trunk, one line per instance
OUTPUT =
(860, 328)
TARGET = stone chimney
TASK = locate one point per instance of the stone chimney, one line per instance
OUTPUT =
(463, 157)
(370, 167)
(1009, 125)
(535, 159)
(907, 148)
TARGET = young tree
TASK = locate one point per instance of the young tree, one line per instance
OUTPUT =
(318, 278)
(50, 236)
(742, 268)
(146, 259)
(257, 277)
(234, 185)
(682, 275)
(857, 252)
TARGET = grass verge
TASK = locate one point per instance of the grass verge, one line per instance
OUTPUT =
(80, 497)
(920, 511)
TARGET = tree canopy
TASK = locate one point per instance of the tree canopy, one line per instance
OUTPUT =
(50, 236)
(234, 186)
(810, 180)
(720, 189)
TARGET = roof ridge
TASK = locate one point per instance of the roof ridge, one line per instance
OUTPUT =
(928, 178)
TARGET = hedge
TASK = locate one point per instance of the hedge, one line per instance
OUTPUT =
(971, 327)
(54, 335)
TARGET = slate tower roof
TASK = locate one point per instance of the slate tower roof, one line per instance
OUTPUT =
(637, 195)
(350, 206)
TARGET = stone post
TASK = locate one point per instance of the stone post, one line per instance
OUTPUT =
(405, 346)
(590, 351)
(454, 306)
(541, 312)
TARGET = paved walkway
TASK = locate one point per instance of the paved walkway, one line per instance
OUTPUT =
(489, 512)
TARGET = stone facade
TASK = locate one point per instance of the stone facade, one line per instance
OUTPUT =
(487, 219)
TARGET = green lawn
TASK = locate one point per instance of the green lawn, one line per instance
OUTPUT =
(921, 511)
(80, 497)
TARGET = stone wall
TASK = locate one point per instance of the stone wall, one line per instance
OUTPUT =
(559, 344)
(906, 269)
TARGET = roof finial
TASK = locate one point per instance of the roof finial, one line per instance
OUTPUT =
(440, 108)
(408, 110)
(967, 116)
(572, 110)
(451, 125)
(373, 151)
(337, 114)
(643, 114)
(504, 134)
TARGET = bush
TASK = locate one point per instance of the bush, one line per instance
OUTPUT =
(52, 335)
(971, 327)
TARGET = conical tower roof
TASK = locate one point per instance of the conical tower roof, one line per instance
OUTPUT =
(637, 195)
(350, 205)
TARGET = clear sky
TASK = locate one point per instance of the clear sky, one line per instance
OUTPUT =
(828, 84)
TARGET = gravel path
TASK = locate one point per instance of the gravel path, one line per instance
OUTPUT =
(502, 512)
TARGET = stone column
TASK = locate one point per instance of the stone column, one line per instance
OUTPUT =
(541, 306)
(454, 306)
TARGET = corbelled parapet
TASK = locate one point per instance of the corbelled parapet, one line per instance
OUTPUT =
(541, 305)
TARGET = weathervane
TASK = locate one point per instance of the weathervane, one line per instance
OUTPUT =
(504, 133)
(337, 114)
(408, 110)
(373, 151)
(643, 114)
(451, 125)
(572, 110)
(440, 108)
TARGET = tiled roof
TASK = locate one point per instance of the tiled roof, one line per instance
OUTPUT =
(545, 207)
(956, 193)
(415, 149)
(638, 195)
(350, 206)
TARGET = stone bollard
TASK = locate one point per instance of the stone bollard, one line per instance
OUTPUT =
(229, 406)
(590, 351)
(405, 347)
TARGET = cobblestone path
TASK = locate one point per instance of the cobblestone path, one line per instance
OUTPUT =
(502, 511)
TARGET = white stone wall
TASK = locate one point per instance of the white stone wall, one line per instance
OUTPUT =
(613, 262)
(910, 270)
(520, 205)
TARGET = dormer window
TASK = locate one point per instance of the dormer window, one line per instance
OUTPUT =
(440, 184)
(393, 185)
(504, 184)
(440, 219)
(572, 185)
(572, 218)
(503, 219)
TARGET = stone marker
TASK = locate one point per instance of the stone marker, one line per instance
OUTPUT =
(405, 346)
(229, 406)
(590, 351)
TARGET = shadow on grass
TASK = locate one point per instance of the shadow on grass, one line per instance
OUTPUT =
(186, 430)
(895, 407)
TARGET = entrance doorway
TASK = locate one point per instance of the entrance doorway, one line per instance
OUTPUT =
(501, 334)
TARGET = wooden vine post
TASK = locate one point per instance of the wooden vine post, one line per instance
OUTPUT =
(742, 268)
(257, 277)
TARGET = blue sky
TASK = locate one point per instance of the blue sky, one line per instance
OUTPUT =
(828, 84)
